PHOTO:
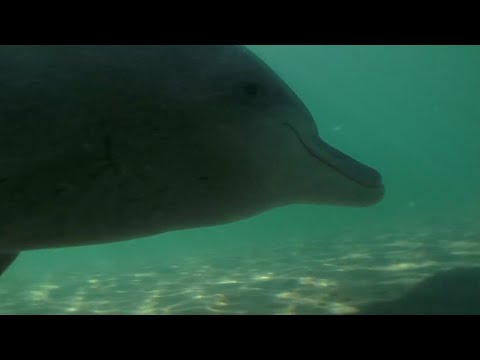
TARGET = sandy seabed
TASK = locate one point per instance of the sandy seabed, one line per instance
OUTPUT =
(427, 271)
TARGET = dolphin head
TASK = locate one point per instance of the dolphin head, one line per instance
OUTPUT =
(271, 139)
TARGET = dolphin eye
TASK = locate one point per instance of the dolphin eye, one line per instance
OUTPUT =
(251, 89)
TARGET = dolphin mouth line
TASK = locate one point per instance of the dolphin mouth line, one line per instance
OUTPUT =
(329, 164)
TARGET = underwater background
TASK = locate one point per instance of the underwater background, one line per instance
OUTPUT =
(411, 112)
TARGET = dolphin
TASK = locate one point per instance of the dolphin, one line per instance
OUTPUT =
(103, 143)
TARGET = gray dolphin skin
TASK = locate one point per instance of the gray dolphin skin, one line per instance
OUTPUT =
(109, 143)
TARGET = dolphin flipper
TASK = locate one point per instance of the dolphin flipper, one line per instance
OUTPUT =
(6, 259)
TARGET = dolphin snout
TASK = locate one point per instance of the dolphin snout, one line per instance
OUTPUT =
(351, 168)
(339, 161)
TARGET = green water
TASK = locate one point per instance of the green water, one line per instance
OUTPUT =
(412, 112)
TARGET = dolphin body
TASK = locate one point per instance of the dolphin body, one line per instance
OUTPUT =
(109, 143)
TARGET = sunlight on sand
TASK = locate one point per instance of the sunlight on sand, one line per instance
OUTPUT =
(227, 282)
(342, 309)
(143, 275)
(288, 295)
(39, 295)
(265, 277)
(305, 278)
(403, 266)
(316, 282)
